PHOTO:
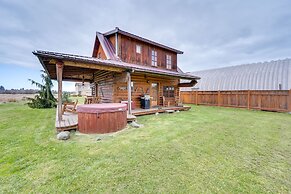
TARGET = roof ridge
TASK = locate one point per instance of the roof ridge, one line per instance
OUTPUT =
(126, 33)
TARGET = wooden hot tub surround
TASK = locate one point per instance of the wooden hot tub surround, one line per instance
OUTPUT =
(101, 118)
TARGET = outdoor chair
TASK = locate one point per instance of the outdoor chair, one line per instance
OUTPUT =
(70, 107)
(92, 100)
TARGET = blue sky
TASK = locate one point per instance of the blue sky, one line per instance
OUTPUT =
(211, 33)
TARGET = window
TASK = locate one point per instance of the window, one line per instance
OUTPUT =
(169, 61)
(168, 91)
(154, 58)
(138, 49)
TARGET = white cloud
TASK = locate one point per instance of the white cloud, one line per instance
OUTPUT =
(211, 33)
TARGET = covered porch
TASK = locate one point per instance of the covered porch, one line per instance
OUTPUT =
(114, 81)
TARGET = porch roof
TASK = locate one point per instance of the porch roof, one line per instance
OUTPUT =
(48, 60)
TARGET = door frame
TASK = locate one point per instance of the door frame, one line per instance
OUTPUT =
(158, 92)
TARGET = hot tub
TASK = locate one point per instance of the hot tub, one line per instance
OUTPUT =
(101, 118)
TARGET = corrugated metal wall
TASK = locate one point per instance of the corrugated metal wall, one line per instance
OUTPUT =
(273, 75)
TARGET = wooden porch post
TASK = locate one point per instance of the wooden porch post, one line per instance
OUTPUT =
(59, 67)
(129, 92)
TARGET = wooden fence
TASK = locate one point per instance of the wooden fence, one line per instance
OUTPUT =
(271, 100)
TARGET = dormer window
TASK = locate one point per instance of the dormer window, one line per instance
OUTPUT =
(154, 58)
(169, 61)
(138, 49)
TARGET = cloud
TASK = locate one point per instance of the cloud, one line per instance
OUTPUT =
(211, 33)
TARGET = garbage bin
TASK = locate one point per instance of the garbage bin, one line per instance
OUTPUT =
(145, 102)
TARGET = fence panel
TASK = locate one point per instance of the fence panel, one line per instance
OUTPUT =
(271, 100)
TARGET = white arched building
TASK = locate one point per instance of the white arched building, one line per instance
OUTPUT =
(273, 75)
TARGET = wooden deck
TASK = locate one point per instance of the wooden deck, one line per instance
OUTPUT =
(139, 112)
(70, 120)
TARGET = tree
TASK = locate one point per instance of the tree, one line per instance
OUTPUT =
(45, 98)
(2, 88)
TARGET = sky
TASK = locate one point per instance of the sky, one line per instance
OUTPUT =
(211, 33)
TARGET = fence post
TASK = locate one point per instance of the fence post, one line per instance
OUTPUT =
(196, 97)
(218, 98)
(249, 99)
(289, 101)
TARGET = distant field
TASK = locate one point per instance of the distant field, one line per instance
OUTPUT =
(14, 97)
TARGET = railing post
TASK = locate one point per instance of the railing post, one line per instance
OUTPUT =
(289, 101)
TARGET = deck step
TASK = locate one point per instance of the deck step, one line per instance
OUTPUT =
(130, 118)
(169, 111)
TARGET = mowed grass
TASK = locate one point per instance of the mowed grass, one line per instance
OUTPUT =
(207, 149)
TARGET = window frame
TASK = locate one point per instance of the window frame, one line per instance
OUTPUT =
(154, 56)
(168, 61)
(138, 48)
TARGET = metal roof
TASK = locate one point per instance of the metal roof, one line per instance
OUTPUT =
(117, 30)
(109, 50)
(273, 75)
(110, 63)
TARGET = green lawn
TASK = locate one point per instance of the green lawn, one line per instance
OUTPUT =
(207, 149)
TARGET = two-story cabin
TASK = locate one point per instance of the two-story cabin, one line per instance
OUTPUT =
(123, 67)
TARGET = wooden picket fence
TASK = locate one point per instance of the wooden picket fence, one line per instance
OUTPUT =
(270, 100)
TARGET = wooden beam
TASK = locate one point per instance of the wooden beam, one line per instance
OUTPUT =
(92, 66)
(129, 92)
(59, 70)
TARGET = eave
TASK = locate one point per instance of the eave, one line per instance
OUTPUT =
(88, 65)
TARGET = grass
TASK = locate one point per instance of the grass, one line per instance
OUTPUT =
(207, 149)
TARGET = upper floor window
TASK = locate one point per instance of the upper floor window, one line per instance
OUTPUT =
(154, 58)
(169, 61)
(138, 49)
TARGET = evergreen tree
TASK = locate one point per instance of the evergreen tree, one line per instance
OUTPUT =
(44, 98)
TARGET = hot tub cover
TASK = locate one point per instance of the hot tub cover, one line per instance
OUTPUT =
(101, 108)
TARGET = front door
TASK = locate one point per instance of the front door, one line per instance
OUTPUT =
(154, 94)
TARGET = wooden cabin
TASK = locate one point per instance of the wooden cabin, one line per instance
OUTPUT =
(123, 67)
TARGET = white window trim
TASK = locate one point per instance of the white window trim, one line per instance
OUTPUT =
(138, 49)
(168, 61)
(154, 58)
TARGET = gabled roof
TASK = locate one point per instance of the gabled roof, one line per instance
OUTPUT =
(45, 56)
(117, 30)
(107, 47)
